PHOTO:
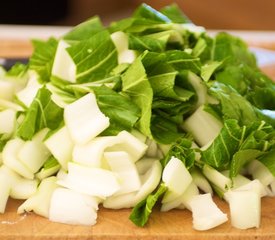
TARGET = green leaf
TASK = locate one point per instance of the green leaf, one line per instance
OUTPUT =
(182, 150)
(94, 58)
(17, 70)
(174, 13)
(183, 61)
(85, 30)
(268, 161)
(242, 157)
(142, 211)
(137, 86)
(120, 109)
(50, 163)
(233, 105)
(43, 113)
(42, 58)
(232, 50)
(164, 130)
(149, 13)
(208, 69)
(142, 43)
(220, 152)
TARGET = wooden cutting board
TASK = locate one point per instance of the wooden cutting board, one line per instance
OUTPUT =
(172, 225)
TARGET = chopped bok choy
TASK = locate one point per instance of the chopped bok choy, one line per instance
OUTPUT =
(147, 112)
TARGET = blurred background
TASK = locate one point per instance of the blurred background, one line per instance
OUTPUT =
(212, 14)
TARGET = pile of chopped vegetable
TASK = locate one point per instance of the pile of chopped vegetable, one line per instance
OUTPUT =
(149, 109)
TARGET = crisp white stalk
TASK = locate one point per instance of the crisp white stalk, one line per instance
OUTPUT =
(180, 201)
(6, 90)
(91, 153)
(152, 150)
(122, 164)
(203, 126)
(144, 164)
(70, 207)
(84, 119)
(90, 180)
(245, 205)
(34, 153)
(260, 171)
(40, 201)
(150, 181)
(200, 181)
(10, 158)
(175, 176)
(61, 145)
(237, 181)
(120, 39)
(7, 121)
(27, 94)
(130, 144)
(216, 177)
(63, 65)
(206, 214)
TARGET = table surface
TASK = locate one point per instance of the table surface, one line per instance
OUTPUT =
(111, 224)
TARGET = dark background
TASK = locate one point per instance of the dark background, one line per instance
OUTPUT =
(213, 14)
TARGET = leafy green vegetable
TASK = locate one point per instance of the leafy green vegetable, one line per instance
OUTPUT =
(137, 86)
(235, 146)
(84, 30)
(42, 59)
(174, 13)
(94, 57)
(141, 212)
(42, 113)
(123, 113)
(182, 150)
(17, 70)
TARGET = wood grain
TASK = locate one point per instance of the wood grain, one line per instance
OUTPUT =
(12, 48)
(111, 224)
(172, 225)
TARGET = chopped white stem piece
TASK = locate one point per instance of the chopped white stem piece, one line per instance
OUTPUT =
(70, 207)
(260, 171)
(7, 121)
(122, 164)
(40, 201)
(34, 153)
(152, 150)
(130, 144)
(175, 176)
(91, 153)
(63, 65)
(84, 119)
(216, 177)
(237, 181)
(90, 180)
(27, 94)
(245, 205)
(150, 181)
(5, 104)
(6, 182)
(24, 188)
(182, 200)
(61, 145)
(201, 182)
(6, 90)
(126, 200)
(120, 39)
(206, 214)
(203, 126)
(10, 158)
(144, 164)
